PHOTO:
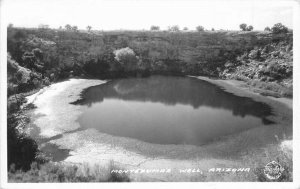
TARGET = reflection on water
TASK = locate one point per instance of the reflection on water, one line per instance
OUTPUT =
(168, 110)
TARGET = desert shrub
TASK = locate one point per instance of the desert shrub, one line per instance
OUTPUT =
(89, 28)
(276, 71)
(272, 88)
(37, 83)
(123, 54)
(21, 149)
(14, 102)
(200, 28)
(127, 58)
(57, 172)
(46, 81)
(22, 75)
(174, 28)
(254, 54)
(279, 28)
(249, 28)
(19, 78)
(154, 28)
(52, 76)
(267, 29)
(243, 27)
(16, 73)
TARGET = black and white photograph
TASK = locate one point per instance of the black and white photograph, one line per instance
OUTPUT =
(149, 91)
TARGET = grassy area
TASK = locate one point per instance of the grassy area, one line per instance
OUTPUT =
(58, 172)
(271, 89)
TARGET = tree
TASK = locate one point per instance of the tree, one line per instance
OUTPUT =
(185, 28)
(200, 28)
(68, 27)
(243, 27)
(126, 57)
(249, 28)
(10, 25)
(174, 28)
(267, 29)
(75, 28)
(212, 29)
(89, 28)
(154, 28)
(279, 28)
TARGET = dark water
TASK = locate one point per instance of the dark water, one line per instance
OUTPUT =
(169, 110)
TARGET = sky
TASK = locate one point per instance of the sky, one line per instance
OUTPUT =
(141, 14)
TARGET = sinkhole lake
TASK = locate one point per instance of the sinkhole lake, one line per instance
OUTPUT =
(168, 110)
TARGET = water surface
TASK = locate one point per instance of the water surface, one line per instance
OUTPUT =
(169, 110)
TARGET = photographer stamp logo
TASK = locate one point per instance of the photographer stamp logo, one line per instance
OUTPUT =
(273, 170)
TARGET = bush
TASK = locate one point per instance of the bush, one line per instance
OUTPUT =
(200, 28)
(254, 54)
(21, 149)
(243, 27)
(174, 28)
(276, 71)
(272, 88)
(127, 58)
(57, 172)
(267, 29)
(279, 28)
(249, 28)
(37, 83)
(23, 75)
(154, 28)
(46, 81)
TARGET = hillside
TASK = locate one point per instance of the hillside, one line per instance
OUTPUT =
(58, 54)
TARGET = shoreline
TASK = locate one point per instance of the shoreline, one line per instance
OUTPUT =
(234, 85)
(242, 86)
(130, 152)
